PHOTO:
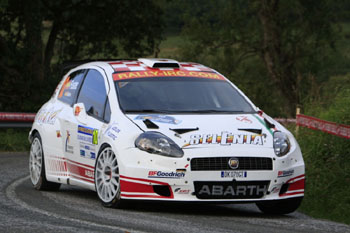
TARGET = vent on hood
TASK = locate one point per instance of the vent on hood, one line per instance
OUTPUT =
(257, 131)
(159, 63)
(184, 130)
(150, 124)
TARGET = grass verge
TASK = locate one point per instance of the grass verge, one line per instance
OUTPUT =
(327, 175)
(14, 139)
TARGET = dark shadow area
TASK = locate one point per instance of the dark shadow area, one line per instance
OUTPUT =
(166, 207)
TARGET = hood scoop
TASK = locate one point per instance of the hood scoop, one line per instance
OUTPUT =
(184, 130)
(257, 131)
(269, 124)
(150, 124)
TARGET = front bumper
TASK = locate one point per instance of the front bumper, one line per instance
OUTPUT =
(153, 177)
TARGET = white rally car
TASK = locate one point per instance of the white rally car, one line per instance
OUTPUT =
(158, 129)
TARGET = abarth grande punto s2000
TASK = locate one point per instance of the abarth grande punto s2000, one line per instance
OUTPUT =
(159, 129)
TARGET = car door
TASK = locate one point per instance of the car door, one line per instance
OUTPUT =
(55, 162)
(83, 126)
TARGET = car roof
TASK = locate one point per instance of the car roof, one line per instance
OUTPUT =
(152, 67)
(145, 64)
(141, 64)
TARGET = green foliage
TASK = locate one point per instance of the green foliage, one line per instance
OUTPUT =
(14, 140)
(327, 156)
(279, 46)
(37, 36)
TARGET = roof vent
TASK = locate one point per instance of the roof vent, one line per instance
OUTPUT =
(159, 63)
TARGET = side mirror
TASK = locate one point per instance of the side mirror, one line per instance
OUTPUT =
(80, 112)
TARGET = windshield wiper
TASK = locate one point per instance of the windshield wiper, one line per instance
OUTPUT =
(215, 111)
(148, 111)
(180, 111)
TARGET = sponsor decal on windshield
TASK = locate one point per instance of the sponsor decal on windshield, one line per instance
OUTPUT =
(166, 73)
(159, 119)
(226, 138)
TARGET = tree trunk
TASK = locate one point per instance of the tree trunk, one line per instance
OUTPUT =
(280, 65)
(50, 46)
(33, 40)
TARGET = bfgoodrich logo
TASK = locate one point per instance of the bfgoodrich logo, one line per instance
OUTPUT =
(160, 174)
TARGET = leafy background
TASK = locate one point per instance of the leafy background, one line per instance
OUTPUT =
(282, 54)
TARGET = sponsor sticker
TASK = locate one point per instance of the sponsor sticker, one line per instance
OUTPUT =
(89, 173)
(244, 119)
(113, 131)
(47, 116)
(67, 94)
(160, 174)
(77, 111)
(68, 148)
(182, 191)
(239, 190)
(226, 138)
(73, 85)
(233, 174)
(159, 119)
(87, 150)
(87, 135)
(166, 73)
(275, 189)
(285, 173)
(95, 137)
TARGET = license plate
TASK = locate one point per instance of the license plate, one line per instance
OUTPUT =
(231, 189)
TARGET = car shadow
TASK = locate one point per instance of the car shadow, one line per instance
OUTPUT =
(173, 207)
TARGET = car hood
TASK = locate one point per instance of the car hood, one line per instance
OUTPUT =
(196, 131)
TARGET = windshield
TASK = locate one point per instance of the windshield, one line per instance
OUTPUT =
(180, 95)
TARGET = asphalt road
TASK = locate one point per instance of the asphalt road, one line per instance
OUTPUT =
(72, 209)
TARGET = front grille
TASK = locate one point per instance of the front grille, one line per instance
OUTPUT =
(221, 163)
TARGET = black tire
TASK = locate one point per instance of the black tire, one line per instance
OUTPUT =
(107, 178)
(280, 207)
(37, 167)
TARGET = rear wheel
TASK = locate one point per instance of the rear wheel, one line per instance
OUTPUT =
(37, 167)
(285, 206)
(107, 180)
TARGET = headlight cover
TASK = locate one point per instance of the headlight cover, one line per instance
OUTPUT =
(157, 143)
(281, 143)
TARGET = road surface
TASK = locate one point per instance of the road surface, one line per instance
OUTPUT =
(72, 209)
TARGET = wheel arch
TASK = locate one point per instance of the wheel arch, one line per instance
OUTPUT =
(103, 146)
(31, 135)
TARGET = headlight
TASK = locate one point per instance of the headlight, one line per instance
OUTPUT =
(281, 143)
(157, 143)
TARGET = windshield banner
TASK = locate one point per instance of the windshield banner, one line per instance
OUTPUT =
(166, 73)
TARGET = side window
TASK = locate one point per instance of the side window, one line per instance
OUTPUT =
(93, 94)
(70, 86)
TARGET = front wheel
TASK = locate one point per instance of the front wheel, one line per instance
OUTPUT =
(284, 206)
(107, 180)
(37, 167)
